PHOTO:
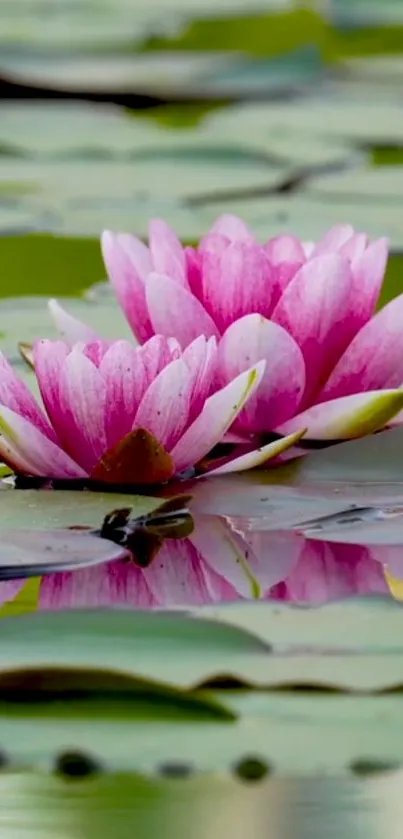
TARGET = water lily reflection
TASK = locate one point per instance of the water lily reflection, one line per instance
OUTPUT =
(220, 562)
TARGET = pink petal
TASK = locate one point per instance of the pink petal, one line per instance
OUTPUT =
(81, 416)
(176, 576)
(354, 248)
(14, 459)
(333, 240)
(374, 358)
(96, 350)
(155, 354)
(284, 249)
(138, 253)
(329, 572)
(224, 552)
(233, 227)
(317, 310)
(69, 328)
(15, 394)
(347, 417)
(114, 584)
(213, 243)
(219, 412)
(201, 358)
(281, 277)
(308, 248)
(236, 282)
(128, 284)
(164, 408)
(175, 311)
(194, 270)
(368, 275)
(166, 251)
(250, 562)
(258, 457)
(47, 459)
(49, 357)
(246, 342)
(272, 555)
(9, 590)
(123, 372)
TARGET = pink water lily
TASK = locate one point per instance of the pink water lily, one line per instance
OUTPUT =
(333, 366)
(122, 414)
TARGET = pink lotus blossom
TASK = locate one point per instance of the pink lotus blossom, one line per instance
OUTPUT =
(122, 414)
(307, 309)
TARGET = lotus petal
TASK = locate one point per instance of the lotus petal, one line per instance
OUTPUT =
(166, 252)
(258, 457)
(15, 394)
(246, 342)
(347, 417)
(165, 406)
(34, 448)
(219, 412)
(70, 328)
(317, 310)
(374, 358)
(236, 282)
(128, 284)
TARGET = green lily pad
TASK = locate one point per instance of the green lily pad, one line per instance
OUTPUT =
(383, 185)
(309, 215)
(27, 319)
(187, 652)
(344, 117)
(349, 628)
(33, 509)
(167, 75)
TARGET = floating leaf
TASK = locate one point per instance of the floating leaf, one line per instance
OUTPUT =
(28, 553)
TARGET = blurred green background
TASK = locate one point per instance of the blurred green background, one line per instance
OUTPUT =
(289, 114)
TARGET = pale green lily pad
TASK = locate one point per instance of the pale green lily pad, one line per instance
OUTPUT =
(65, 128)
(16, 220)
(352, 627)
(96, 26)
(214, 73)
(186, 652)
(382, 185)
(309, 215)
(83, 197)
(381, 70)
(253, 127)
(367, 12)
(27, 319)
(345, 117)
(332, 734)
(86, 181)
(33, 509)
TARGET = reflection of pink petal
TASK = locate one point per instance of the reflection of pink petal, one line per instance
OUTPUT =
(328, 571)
(114, 584)
(272, 555)
(9, 589)
(176, 576)
(225, 556)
